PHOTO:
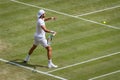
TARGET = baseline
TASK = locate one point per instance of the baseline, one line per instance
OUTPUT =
(32, 69)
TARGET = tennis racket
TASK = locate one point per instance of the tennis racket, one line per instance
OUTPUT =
(50, 38)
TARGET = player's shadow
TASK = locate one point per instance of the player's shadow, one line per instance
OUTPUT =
(19, 62)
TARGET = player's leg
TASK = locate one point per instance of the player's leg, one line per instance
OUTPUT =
(49, 54)
(36, 42)
(32, 49)
(44, 43)
(29, 53)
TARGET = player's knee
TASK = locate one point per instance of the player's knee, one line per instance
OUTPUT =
(49, 48)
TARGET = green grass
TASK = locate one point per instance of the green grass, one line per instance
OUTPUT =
(76, 41)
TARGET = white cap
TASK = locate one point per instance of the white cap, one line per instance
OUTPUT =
(41, 12)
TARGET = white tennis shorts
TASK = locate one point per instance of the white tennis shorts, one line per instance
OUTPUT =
(40, 40)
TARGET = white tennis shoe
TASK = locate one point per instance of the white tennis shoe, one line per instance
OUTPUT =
(51, 65)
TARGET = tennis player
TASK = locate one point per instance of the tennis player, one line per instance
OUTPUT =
(40, 38)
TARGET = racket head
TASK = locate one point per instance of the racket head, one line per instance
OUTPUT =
(49, 40)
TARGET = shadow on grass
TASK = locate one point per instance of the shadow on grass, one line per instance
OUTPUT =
(20, 62)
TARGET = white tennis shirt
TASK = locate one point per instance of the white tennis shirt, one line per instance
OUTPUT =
(39, 31)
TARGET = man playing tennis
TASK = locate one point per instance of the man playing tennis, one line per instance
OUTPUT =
(39, 38)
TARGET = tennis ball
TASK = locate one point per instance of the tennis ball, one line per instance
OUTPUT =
(104, 22)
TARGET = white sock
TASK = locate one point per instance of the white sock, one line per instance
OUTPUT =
(27, 57)
(50, 61)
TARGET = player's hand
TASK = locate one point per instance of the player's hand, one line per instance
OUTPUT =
(54, 33)
(53, 18)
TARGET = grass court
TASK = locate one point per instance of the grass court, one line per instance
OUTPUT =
(84, 48)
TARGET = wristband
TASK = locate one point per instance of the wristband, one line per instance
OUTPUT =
(52, 32)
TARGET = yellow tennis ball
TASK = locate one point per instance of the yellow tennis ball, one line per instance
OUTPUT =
(104, 22)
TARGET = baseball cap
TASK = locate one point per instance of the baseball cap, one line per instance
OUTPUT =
(41, 12)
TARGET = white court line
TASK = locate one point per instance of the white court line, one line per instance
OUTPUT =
(90, 60)
(66, 14)
(98, 11)
(32, 69)
(105, 75)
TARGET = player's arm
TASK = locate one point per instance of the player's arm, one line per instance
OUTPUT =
(51, 18)
(47, 30)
